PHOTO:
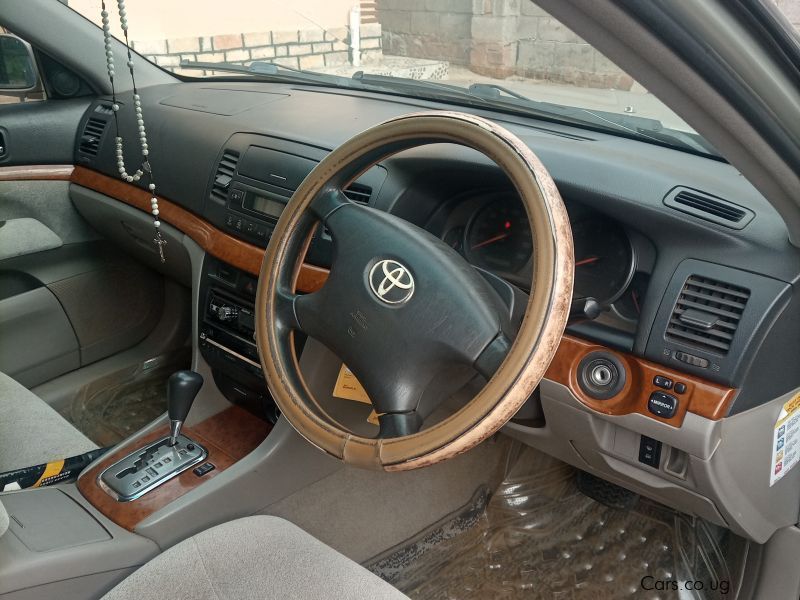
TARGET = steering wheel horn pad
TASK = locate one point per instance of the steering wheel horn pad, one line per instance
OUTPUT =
(400, 307)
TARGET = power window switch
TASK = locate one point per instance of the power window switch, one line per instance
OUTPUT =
(649, 452)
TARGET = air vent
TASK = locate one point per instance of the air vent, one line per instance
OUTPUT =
(224, 175)
(92, 134)
(707, 314)
(104, 109)
(358, 192)
(709, 208)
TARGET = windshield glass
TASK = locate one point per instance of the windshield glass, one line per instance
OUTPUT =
(506, 54)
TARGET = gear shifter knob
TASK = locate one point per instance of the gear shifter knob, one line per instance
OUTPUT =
(182, 387)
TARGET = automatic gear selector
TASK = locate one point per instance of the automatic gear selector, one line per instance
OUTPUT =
(149, 467)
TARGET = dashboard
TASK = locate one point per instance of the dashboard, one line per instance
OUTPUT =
(648, 248)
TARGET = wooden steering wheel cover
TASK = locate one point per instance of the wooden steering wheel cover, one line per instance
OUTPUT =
(530, 354)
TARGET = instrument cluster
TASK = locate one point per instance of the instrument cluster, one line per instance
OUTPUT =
(492, 233)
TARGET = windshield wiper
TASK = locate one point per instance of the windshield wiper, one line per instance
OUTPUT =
(269, 70)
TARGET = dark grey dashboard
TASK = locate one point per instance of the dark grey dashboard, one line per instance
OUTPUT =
(232, 152)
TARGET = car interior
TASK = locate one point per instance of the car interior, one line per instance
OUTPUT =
(348, 338)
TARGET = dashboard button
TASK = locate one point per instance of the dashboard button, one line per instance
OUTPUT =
(649, 452)
(662, 405)
(251, 227)
(691, 359)
(237, 194)
(238, 224)
(662, 382)
(230, 220)
(680, 388)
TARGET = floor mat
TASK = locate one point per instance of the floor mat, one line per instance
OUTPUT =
(112, 408)
(540, 538)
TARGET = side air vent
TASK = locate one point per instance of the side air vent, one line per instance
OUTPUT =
(91, 136)
(358, 192)
(224, 175)
(709, 208)
(104, 109)
(707, 314)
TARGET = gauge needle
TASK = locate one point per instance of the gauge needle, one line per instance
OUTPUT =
(587, 261)
(491, 240)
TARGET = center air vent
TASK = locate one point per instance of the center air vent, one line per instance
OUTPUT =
(91, 136)
(358, 192)
(224, 175)
(709, 208)
(707, 314)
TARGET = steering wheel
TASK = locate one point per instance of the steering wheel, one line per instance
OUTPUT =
(402, 309)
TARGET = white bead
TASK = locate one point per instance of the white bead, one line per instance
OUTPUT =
(136, 97)
(129, 178)
(130, 64)
(140, 123)
(155, 212)
(137, 102)
(157, 223)
(136, 176)
(104, 14)
(145, 152)
(115, 107)
(111, 72)
(151, 187)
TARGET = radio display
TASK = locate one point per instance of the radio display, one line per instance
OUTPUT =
(264, 205)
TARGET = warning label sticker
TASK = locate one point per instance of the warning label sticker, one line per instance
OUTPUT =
(786, 440)
(347, 387)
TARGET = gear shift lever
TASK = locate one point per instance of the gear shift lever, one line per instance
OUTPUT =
(182, 387)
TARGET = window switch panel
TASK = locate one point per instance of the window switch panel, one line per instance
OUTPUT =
(649, 452)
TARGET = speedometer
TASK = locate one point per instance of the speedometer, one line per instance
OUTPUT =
(498, 236)
(604, 259)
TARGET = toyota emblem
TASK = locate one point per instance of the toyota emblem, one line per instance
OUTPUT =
(391, 281)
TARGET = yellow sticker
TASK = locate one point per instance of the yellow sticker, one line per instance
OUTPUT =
(348, 387)
(373, 418)
(785, 441)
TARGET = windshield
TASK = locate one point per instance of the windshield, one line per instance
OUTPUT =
(505, 54)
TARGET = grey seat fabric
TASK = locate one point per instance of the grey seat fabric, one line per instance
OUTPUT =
(255, 557)
(31, 432)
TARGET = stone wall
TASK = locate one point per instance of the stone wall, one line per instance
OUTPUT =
(497, 38)
(312, 49)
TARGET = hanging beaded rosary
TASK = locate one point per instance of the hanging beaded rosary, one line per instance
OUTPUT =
(145, 170)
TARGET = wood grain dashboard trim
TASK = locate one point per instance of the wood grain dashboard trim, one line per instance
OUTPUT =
(703, 398)
(228, 437)
(225, 247)
(36, 173)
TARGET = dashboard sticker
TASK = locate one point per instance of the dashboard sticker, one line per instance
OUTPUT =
(785, 440)
(347, 387)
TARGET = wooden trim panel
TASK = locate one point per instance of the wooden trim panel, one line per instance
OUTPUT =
(709, 400)
(228, 437)
(225, 247)
(36, 173)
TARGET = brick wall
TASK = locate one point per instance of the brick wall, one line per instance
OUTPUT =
(312, 49)
(497, 38)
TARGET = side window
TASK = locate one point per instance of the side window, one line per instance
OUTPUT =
(19, 74)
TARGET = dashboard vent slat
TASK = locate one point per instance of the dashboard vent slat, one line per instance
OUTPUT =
(91, 136)
(719, 304)
(223, 176)
(708, 207)
(358, 192)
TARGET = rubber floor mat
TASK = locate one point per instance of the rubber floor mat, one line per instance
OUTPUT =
(111, 409)
(540, 538)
